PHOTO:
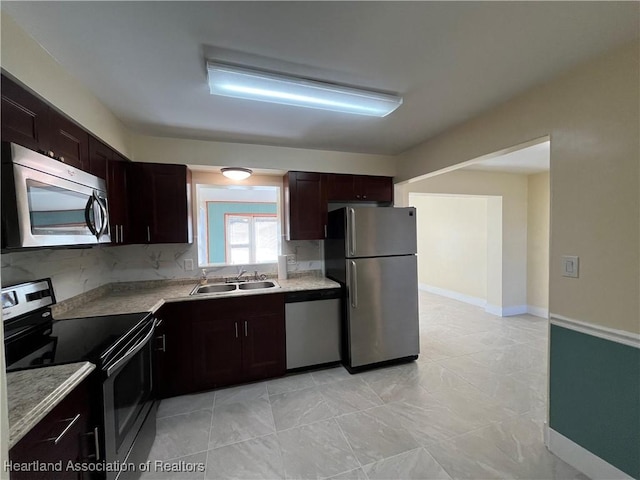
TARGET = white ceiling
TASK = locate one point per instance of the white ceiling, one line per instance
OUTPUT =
(526, 161)
(450, 60)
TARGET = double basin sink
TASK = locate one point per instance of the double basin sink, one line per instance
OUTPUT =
(234, 287)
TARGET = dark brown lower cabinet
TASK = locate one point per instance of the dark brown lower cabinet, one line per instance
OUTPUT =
(173, 372)
(65, 435)
(207, 344)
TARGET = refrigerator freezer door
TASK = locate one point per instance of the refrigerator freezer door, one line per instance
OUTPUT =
(382, 309)
(376, 232)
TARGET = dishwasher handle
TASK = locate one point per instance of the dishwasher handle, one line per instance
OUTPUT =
(313, 295)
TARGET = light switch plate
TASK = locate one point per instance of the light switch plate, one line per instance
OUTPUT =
(570, 266)
(188, 264)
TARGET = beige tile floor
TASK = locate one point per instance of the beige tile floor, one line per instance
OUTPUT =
(471, 407)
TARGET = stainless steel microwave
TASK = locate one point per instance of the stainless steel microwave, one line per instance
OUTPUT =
(47, 203)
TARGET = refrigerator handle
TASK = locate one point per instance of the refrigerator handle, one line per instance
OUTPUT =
(353, 285)
(352, 231)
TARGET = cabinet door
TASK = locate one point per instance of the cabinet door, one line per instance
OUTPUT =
(99, 156)
(25, 118)
(61, 436)
(69, 142)
(173, 359)
(217, 344)
(305, 205)
(263, 337)
(374, 189)
(164, 193)
(117, 179)
(340, 188)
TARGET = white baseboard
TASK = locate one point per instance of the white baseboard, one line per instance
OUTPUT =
(581, 458)
(480, 302)
(538, 311)
(505, 311)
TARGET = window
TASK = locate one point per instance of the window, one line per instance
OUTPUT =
(251, 238)
(238, 225)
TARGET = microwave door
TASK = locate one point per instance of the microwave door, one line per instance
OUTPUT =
(53, 210)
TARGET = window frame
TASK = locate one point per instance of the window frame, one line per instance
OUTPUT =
(252, 245)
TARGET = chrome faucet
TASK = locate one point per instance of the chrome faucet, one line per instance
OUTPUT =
(203, 277)
(241, 271)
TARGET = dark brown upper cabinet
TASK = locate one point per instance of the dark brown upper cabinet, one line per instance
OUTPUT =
(99, 157)
(25, 118)
(106, 163)
(306, 198)
(69, 142)
(30, 122)
(305, 202)
(117, 186)
(160, 196)
(359, 188)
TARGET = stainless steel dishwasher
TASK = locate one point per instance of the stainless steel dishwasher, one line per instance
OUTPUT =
(313, 327)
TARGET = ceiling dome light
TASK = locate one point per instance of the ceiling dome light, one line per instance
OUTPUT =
(236, 173)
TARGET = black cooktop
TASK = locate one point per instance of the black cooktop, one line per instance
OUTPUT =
(73, 340)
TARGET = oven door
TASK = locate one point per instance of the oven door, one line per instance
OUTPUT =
(128, 397)
(55, 204)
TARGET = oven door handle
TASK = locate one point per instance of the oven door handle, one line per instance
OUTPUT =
(132, 351)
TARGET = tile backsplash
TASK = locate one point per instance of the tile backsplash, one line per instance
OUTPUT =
(75, 271)
(72, 271)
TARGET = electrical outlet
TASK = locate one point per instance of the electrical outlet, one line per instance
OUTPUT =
(291, 259)
(188, 264)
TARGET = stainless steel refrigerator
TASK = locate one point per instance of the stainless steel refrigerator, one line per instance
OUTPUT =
(371, 251)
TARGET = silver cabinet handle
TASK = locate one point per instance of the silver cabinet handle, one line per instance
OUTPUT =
(96, 442)
(236, 324)
(163, 348)
(245, 329)
(148, 234)
(353, 283)
(71, 421)
(325, 231)
(121, 234)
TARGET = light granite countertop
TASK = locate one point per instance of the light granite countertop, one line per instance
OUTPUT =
(135, 297)
(33, 393)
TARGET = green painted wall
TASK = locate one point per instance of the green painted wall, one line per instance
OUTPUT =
(215, 221)
(594, 396)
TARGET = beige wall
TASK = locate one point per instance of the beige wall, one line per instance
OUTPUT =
(513, 191)
(538, 241)
(591, 114)
(452, 243)
(221, 154)
(25, 60)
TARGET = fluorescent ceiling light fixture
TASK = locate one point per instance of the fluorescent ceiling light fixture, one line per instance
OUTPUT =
(241, 82)
(236, 173)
